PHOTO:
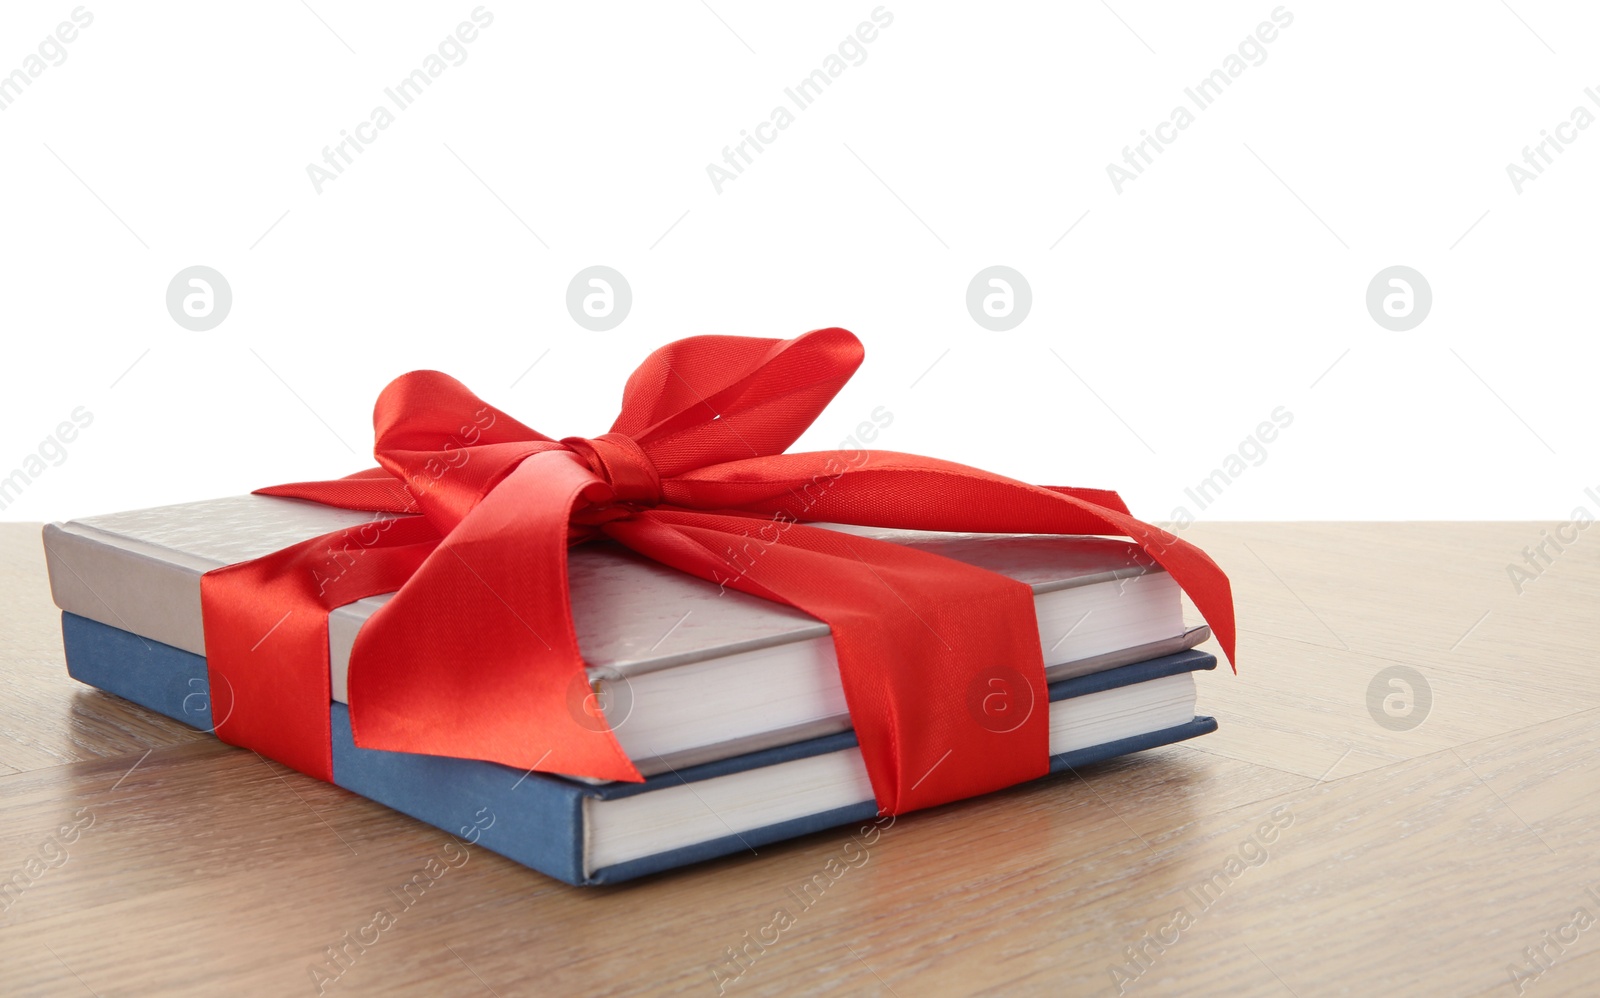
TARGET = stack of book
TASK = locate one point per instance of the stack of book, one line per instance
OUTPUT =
(731, 706)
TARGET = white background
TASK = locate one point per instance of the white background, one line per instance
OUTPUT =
(1226, 281)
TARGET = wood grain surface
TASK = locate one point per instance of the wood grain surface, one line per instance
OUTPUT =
(1304, 849)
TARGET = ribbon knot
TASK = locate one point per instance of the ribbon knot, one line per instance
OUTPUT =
(619, 461)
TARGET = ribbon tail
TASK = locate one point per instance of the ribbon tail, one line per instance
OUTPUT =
(1100, 497)
(374, 490)
(476, 657)
(888, 489)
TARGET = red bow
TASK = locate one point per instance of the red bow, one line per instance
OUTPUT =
(475, 655)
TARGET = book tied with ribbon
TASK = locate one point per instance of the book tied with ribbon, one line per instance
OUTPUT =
(661, 644)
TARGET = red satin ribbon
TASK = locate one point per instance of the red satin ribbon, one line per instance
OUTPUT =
(475, 655)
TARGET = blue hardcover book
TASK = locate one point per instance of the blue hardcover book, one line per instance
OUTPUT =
(587, 833)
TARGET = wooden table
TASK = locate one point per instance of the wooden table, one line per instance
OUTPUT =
(1396, 858)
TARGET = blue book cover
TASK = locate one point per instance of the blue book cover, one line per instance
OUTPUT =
(536, 819)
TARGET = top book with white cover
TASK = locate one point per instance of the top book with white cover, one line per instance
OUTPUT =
(687, 671)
